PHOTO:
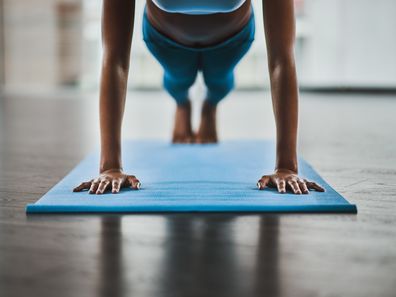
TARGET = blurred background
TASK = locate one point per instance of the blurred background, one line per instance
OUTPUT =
(55, 44)
(50, 54)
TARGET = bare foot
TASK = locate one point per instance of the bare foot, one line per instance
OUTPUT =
(207, 132)
(182, 132)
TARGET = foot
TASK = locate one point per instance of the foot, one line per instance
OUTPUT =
(182, 132)
(207, 132)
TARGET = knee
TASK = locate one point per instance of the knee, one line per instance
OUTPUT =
(218, 87)
(179, 81)
(178, 86)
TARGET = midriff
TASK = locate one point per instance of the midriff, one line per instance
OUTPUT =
(198, 30)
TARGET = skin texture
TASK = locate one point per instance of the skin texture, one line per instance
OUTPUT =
(207, 132)
(182, 132)
(198, 30)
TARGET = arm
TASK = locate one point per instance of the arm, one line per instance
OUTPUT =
(117, 29)
(279, 24)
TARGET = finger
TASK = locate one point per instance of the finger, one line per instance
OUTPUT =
(116, 185)
(263, 182)
(82, 186)
(281, 185)
(315, 186)
(134, 183)
(94, 187)
(294, 186)
(103, 186)
(303, 187)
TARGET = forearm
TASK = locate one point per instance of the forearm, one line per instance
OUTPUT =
(117, 29)
(279, 24)
(112, 102)
(284, 92)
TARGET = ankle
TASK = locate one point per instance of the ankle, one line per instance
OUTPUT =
(184, 104)
(208, 109)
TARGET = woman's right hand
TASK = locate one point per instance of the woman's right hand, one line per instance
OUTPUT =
(112, 179)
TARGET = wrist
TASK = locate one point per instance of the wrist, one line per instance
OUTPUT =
(289, 164)
(111, 170)
(107, 164)
(110, 156)
(286, 158)
(285, 170)
(103, 168)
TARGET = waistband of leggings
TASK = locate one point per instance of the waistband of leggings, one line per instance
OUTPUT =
(248, 29)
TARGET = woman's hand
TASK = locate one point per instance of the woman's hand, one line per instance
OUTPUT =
(284, 179)
(113, 179)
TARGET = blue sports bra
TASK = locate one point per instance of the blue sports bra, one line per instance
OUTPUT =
(198, 6)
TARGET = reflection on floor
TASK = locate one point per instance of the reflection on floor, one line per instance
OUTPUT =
(348, 138)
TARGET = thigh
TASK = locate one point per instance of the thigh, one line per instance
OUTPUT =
(218, 63)
(222, 59)
(177, 61)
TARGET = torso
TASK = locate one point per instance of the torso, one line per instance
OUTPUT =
(198, 30)
(198, 6)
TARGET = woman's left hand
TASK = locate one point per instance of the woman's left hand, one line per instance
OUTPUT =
(284, 179)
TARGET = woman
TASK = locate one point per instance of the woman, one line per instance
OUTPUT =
(187, 36)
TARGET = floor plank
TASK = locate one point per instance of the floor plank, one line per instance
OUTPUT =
(348, 138)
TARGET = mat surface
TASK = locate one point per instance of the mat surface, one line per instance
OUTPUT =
(191, 178)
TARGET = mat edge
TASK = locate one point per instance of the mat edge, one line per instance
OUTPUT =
(34, 208)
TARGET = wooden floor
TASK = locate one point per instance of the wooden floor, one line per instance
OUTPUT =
(350, 139)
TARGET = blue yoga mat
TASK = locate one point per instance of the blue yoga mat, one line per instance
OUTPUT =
(191, 178)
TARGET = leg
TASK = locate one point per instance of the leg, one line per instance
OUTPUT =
(177, 81)
(180, 70)
(207, 132)
(219, 79)
(218, 70)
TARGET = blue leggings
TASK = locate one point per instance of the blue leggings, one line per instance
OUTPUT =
(181, 63)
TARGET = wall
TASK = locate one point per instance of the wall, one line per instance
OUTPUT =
(53, 43)
(1, 46)
(349, 43)
(42, 43)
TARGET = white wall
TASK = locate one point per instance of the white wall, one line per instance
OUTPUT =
(1, 46)
(340, 43)
(41, 46)
(349, 43)
(29, 37)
